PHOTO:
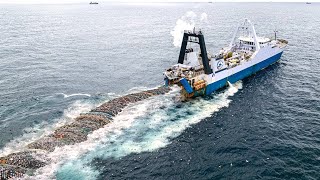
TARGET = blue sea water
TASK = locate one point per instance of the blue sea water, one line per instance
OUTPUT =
(58, 61)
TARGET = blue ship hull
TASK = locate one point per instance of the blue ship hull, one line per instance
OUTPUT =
(210, 88)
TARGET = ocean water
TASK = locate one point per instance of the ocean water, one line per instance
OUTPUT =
(58, 61)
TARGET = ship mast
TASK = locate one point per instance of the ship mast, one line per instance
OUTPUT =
(246, 26)
(198, 38)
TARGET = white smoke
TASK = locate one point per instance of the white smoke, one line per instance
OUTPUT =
(186, 22)
(204, 17)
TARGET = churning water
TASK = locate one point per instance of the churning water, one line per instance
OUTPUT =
(58, 61)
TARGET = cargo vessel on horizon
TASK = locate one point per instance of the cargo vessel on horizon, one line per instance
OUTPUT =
(200, 73)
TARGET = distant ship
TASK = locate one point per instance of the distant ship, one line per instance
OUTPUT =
(199, 73)
(308, 2)
(93, 3)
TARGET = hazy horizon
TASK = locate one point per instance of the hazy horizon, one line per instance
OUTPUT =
(133, 1)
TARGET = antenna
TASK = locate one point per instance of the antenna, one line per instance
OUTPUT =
(275, 33)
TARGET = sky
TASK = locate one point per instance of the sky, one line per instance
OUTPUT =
(101, 1)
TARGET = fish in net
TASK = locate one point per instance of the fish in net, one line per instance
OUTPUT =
(15, 165)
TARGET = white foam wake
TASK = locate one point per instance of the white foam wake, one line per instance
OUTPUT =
(44, 128)
(67, 153)
(145, 126)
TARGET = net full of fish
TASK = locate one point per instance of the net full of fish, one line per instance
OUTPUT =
(17, 164)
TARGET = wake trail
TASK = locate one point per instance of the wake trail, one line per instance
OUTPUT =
(143, 127)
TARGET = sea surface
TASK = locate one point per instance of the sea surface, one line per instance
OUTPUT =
(57, 61)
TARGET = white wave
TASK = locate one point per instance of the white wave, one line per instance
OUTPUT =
(138, 89)
(186, 22)
(146, 126)
(44, 128)
(76, 94)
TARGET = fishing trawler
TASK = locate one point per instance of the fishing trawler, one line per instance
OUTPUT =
(200, 73)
